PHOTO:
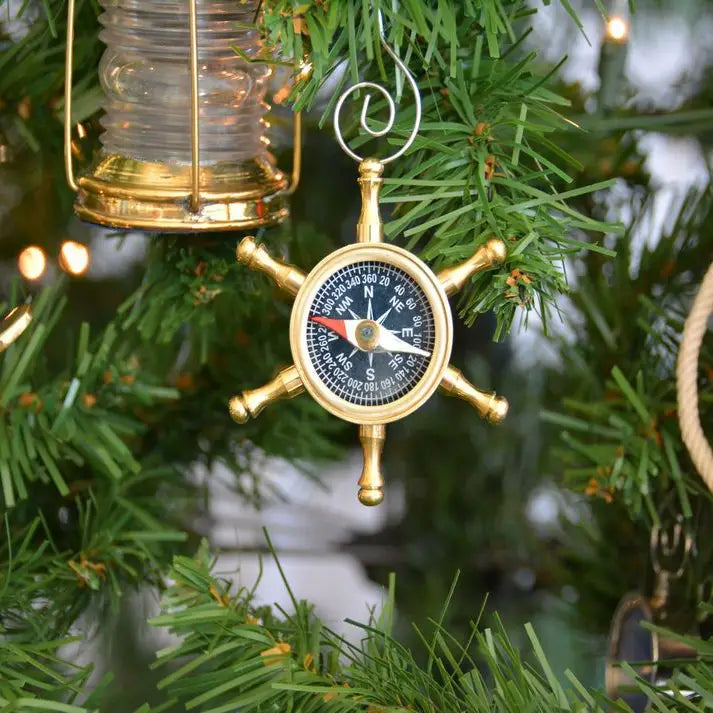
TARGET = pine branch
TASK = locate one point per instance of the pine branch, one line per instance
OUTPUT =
(75, 419)
(620, 443)
(484, 162)
(99, 420)
(32, 679)
(229, 331)
(233, 655)
(622, 433)
(34, 622)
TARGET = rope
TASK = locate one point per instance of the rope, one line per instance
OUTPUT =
(687, 380)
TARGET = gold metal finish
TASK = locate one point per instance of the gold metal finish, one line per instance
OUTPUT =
(127, 193)
(296, 153)
(124, 192)
(372, 418)
(13, 325)
(68, 62)
(367, 335)
(286, 277)
(655, 655)
(492, 253)
(371, 483)
(286, 385)
(195, 115)
(491, 407)
(370, 228)
(443, 333)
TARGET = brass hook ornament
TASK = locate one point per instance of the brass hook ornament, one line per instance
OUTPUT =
(652, 655)
(371, 328)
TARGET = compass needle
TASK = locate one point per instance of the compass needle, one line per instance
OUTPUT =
(389, 342)
(345, 328)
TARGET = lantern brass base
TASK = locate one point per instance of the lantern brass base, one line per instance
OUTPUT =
(126, 193)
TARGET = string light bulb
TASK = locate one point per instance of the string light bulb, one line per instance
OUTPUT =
(617, 28)
(32, 263)
(305, 69)
(74, 257)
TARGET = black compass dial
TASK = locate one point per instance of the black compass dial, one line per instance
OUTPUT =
(370, 333)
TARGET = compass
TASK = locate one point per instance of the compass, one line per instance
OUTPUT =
(371, 327)
(370, 332)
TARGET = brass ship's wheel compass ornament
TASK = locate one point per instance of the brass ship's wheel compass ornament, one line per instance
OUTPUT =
(371, 327)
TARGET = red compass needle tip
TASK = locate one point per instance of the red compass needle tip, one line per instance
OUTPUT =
(336, 325)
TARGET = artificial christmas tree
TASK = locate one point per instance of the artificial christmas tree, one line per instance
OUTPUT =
(117, 391)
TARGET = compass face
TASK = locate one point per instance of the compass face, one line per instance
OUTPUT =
(370, 333)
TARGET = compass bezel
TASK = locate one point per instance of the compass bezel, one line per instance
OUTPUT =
(443, 333)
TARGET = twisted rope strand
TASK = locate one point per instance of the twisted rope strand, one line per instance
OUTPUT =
(687, 380)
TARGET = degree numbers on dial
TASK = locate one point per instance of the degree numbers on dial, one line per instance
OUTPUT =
(377, 292)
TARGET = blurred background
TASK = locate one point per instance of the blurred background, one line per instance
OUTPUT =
(463, 497)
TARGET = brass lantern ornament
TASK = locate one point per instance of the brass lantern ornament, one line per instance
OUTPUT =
(651, 656)
(371, 327)
(183, 147)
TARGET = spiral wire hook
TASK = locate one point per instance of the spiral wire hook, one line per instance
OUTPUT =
(389, 101)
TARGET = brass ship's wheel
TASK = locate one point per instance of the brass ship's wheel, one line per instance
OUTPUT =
(370, 332)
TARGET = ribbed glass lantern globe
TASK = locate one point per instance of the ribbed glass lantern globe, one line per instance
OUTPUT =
(143, 177)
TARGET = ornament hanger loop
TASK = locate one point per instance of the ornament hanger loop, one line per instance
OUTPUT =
(389, 100)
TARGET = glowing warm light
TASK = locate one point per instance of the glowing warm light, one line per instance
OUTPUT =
(74, 257)
(32, 262)
(305, 69)
(617, 28)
